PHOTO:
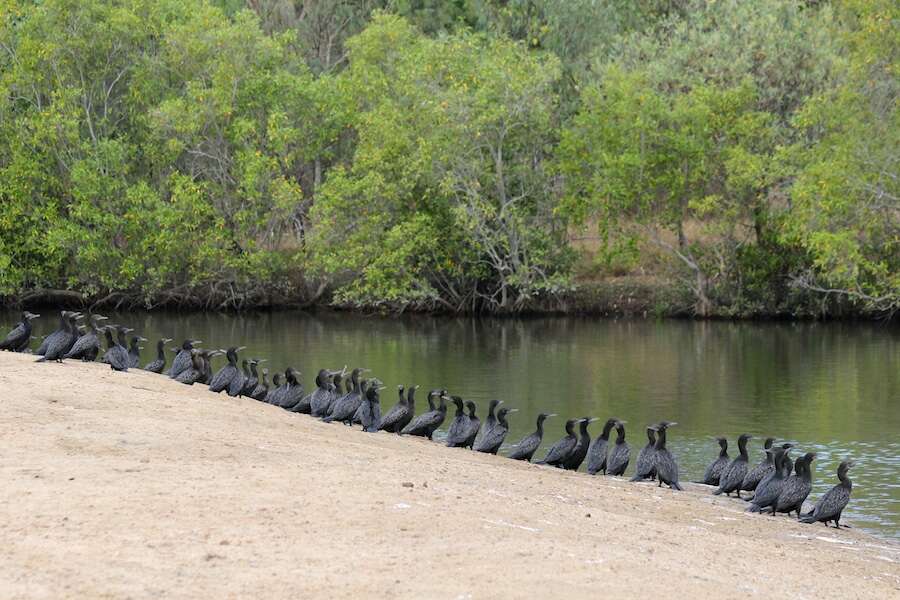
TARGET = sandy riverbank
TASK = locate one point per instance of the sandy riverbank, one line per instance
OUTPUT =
(130, 485)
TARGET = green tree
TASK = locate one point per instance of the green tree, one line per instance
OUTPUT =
(447, 199)
(845, 209)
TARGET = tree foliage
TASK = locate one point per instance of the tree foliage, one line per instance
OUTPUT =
(444, 155)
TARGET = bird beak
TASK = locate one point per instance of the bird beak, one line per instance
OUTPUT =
(143, 339)
(261, 360)
(594, 419)
(196, 341)
(622, 422)
(166, 340)
(672, 424)
(552, 415)
(509, 410)
(239, 348)
(100, 317)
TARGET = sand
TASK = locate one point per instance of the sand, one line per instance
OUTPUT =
(130, 485)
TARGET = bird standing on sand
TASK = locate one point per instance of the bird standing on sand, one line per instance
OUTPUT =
(61, 343)
(529, 444)
(598, 451)
(490, 443)
(620, 454)
(761, 470)
(796, 487)
(134, 352)
(158, 365)
(87, 347)
(401, 414)
(560, 451)
(714, 471)
(224, 376)
(425, 424)
(646, 460)
(832, 504)
(733, 476)
(183, 359)
(458, 434)
(768, 490)
(666, 465)
(19, 337)
(579, 452)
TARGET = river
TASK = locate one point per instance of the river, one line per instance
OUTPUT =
(831, 388)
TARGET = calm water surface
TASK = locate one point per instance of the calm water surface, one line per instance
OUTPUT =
(833, 389)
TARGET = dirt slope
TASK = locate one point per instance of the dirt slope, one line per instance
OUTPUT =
(133, 486)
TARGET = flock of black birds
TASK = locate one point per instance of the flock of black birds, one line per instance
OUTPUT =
(778, 484)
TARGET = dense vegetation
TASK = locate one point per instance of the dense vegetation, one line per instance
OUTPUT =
(483, 155)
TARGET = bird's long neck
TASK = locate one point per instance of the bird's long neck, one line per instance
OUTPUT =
(845, 481)
(160, 350)
(723, 453)
(620, 435)
(661, 439)
(540, 428)
(742, 447)
(606, 429)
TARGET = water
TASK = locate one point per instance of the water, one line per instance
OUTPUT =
(833, 389)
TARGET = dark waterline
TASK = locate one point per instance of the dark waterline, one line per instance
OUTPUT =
(832, 388)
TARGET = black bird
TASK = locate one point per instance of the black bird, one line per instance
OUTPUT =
(768, 490)
(832, 504)
(134, 352)
(159, 364)
(206, 372)
(87, 347)
(194, 373)
(262, 388)
(292, 392)
(713, 473)
(458, 434)
(223, 378)
(116, 356)
(236, 385)
(490, 420)
(60, 345)
(61, 329)
(321, 397)
(646, 460)
(560, 451)
(760, 470)
(425, 424)
(278, 388)
(490, 443)
(337, 390)
(796, 487)
(474, 425)
(579, 452)
(666, 465)
(183, 359)
(787, 465)
(345, 407)
(618, 458)
(733, 476)
(370, 409)
(253, 380)
(19, 338)
(763, 484)
(598, 451)
(529, 444)
(402, 413)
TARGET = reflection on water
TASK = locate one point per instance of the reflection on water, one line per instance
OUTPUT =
(831, 388)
